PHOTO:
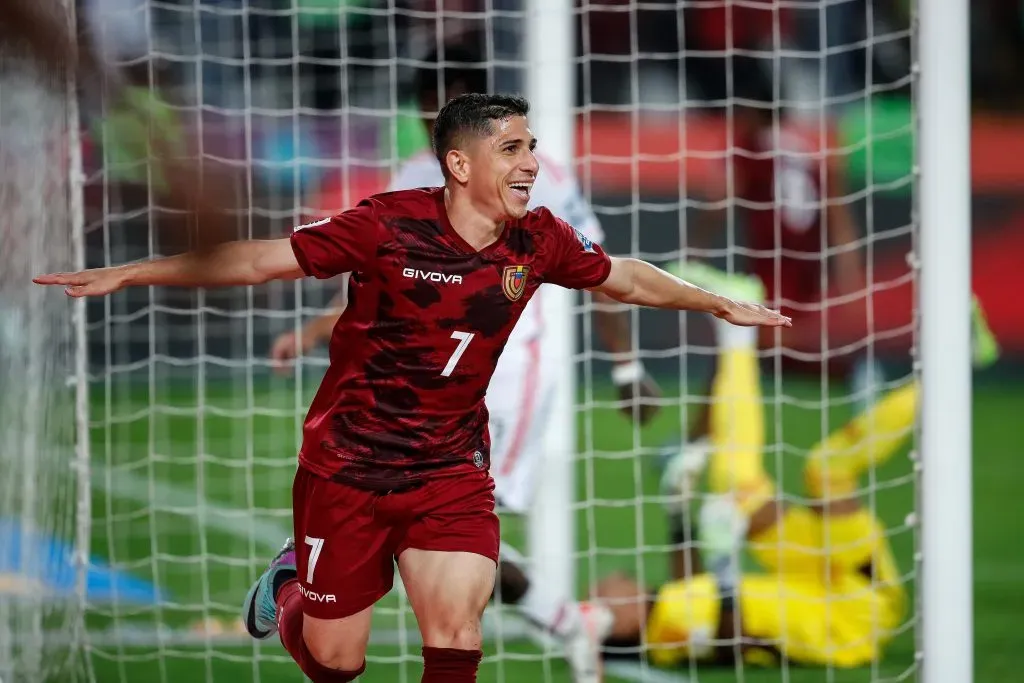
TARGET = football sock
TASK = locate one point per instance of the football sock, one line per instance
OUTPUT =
(289, 624)
(737, 431)
(448, 665)
(870, 439)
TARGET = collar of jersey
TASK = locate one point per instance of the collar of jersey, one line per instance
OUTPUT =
(490, 253)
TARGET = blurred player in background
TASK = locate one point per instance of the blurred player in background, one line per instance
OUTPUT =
(804, 257)
(829, 593)
(395, 452)
(519, 401)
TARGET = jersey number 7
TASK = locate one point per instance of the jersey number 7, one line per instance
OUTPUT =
(464, 339)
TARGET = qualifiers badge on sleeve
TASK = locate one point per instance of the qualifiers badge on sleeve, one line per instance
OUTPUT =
(584, 240)
(513, 282)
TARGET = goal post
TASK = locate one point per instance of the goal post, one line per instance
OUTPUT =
(947, 557)
(550, 87)
(44, 521)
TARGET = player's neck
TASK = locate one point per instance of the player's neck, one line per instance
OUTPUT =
(477, 229)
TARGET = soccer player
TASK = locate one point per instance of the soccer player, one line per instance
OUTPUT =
(802, 242)
(800, 234)
(829, 593)
(395, 451)
(523, 381)
(516, 419)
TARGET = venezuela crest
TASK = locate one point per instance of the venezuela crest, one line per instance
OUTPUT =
(513, 282)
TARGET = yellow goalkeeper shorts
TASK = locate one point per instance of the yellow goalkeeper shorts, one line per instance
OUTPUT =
(845, 623)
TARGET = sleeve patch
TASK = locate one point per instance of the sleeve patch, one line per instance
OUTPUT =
(588, 246)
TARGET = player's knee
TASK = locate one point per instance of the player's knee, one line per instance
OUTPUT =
(336, 653)
(454, 633)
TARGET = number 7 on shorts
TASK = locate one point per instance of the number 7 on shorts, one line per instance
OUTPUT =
(317, 544)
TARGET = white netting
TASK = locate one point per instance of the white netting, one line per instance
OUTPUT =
(41, 580)
(667, 91)
(193, 436)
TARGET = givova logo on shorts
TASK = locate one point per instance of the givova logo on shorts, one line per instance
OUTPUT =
(317, 597)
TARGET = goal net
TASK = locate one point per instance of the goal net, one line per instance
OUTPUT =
(193, 430)
(42, 576)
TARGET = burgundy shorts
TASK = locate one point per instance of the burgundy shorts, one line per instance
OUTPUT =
(347, 539)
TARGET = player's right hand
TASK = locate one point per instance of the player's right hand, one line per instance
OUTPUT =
(748, 314)
(286, 349)
(95, 282)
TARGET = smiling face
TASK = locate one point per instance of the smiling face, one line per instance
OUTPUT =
(503, 168)
(485, 148)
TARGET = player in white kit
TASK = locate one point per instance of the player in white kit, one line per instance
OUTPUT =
(521, 389)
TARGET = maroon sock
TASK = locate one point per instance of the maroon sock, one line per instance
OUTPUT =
(447, 665)
(289, 626)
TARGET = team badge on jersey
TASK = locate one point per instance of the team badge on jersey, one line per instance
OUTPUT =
(587, 244)
(513, 282)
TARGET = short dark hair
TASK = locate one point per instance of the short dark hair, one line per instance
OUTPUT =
(471, 114)
(456, 67)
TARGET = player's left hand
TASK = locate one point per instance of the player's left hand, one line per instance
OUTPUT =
(95, 282)
(642, 394)
(748, 314)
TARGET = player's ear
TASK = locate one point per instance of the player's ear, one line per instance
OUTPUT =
(458, 165)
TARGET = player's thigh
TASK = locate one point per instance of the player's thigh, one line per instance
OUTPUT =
(344, 552)
(448, 592)
(448, 557)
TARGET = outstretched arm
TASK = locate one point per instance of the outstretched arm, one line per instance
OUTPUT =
(637, 282)
(249, 262)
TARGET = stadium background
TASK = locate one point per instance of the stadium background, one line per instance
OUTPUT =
(296, 161)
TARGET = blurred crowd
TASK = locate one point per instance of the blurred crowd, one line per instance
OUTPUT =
(830, 49)
(249, 52)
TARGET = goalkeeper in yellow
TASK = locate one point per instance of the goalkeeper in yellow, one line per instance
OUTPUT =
(829, 591)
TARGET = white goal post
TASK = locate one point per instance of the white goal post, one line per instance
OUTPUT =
(550, 87)
(947, 557)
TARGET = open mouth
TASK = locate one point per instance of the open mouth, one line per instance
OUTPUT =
(521, 190)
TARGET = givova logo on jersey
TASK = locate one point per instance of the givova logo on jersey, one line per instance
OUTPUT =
(513, 281)
(431, 276)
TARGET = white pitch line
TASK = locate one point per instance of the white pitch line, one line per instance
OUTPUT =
(234, 521)
(632, 671)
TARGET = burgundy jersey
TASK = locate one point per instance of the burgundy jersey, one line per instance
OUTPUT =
(780, 190)
(426, 320)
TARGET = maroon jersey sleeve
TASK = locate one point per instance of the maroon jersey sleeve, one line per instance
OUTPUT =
(336, 245)
(573, 260)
